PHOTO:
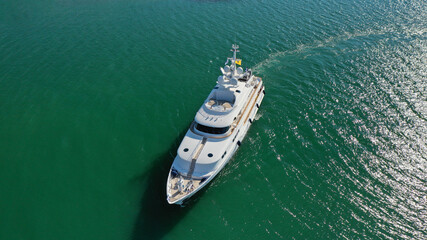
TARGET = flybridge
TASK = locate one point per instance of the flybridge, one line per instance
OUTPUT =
(226, 95)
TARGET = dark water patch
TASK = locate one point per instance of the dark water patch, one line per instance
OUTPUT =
(156, 216)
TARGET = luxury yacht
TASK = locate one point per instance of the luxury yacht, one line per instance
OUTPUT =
(217, 131)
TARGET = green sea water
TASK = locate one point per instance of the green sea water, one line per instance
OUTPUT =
(95, 97)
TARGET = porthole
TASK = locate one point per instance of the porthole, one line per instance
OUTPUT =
(185, 149)
(210, 155)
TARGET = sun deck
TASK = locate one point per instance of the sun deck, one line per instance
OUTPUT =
(181, 186)
(219, 105)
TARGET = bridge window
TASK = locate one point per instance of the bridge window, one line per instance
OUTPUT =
(211, 130)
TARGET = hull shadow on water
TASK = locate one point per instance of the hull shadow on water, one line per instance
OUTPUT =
(156, 217)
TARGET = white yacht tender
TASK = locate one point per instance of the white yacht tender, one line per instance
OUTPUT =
(217, 130)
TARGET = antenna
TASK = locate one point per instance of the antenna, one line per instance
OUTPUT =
(235, 47)
(235, 50)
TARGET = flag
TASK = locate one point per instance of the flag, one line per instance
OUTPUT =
(239, 62)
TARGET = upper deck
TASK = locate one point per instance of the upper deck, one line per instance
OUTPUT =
(225, 101)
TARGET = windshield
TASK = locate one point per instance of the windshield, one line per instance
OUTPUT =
(211, 130)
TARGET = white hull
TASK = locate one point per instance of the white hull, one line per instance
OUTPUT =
(207, 148)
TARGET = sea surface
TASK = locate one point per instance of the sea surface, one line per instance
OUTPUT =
(95, 97)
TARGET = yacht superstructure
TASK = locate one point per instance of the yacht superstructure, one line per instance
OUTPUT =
(217, 131)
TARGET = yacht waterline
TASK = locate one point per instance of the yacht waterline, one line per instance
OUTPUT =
(217, 131)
